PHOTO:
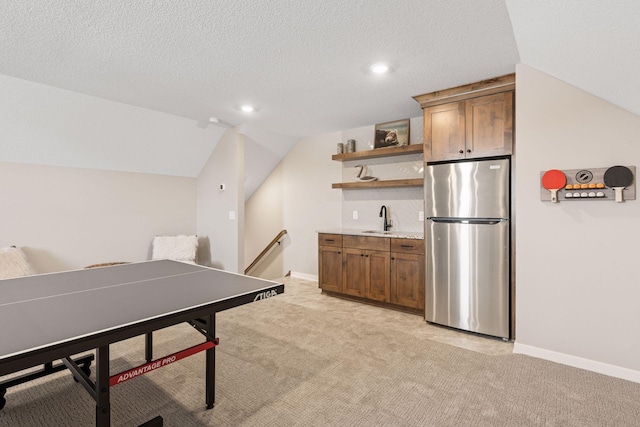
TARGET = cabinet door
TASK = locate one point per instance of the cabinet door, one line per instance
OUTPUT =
(489, 125)
(378, 277)
(354, 271)
(407, 280)
(444, 132)
(330, 268)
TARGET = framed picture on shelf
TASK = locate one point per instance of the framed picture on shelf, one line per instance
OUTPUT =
(392, 134)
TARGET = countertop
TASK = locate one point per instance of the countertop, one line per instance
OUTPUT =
(376, 233)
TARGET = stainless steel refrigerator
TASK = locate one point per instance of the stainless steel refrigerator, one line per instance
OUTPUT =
(467, 234)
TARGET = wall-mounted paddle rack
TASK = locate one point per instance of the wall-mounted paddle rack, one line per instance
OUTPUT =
(615, 183)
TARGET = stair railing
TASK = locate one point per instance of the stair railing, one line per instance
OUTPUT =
(265, 251)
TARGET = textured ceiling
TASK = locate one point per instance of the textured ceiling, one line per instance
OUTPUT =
(303, 64)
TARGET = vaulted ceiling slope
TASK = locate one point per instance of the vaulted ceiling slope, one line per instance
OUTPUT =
(304, 65)
(591, 44)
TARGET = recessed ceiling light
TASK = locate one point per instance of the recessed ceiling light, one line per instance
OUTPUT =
(247, 108)
(380, 68)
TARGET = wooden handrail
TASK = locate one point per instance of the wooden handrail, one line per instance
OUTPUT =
(265, 251)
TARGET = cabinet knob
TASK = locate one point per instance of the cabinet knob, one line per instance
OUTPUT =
(392, 258)
(461, 151)
(468, 150)
(339, 253)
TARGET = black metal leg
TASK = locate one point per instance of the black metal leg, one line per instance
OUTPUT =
(148, 347)
(156, 422)
(103, 408)
(210, 371)
(47, 369)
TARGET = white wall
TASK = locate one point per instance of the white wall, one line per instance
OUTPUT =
(263, 150)
(219, 235)
(403, 203)
(297, 196)
(264, 219)
(577, 275)
(45, 125)
(68, 218)
(89, 205)
(309, 203)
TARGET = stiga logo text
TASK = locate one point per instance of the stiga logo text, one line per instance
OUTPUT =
(265, 295)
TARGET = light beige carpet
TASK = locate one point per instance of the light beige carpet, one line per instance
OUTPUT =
(306, 359)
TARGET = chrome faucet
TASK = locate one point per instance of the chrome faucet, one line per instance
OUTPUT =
(387, 222)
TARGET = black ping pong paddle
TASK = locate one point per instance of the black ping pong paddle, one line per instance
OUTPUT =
(618, 177)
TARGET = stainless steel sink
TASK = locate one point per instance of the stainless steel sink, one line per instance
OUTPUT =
(377, 232)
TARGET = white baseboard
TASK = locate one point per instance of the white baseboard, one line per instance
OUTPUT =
(304, 276)
(578, 362)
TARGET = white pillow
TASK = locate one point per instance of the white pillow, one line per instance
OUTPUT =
(178, 248)
(13, 263)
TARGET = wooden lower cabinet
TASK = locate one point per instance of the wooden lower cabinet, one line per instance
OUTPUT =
(407, 280)
(377, 275)
(366, 273)
(407, 273)
(330, 262)
(382, 269)
(353, 272)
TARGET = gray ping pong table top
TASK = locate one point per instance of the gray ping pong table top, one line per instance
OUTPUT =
(47, 309)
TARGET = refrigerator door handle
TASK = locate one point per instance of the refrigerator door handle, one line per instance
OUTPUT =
(491, 221)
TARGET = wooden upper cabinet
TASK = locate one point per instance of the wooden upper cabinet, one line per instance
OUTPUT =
(489, 125)
(444, 132)
(469, 121)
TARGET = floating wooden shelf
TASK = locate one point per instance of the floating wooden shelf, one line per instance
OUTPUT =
(379, 152)
(380, 184)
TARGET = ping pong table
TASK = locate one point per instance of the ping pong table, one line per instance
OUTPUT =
(72, 312)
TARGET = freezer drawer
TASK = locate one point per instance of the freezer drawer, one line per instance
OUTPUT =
(467, 275)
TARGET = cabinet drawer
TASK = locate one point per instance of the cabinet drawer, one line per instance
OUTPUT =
(330, 239)
(366, 242)
(412, 246)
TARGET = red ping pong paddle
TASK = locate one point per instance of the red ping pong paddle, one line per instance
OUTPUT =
(553, 180)
(618, 177)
